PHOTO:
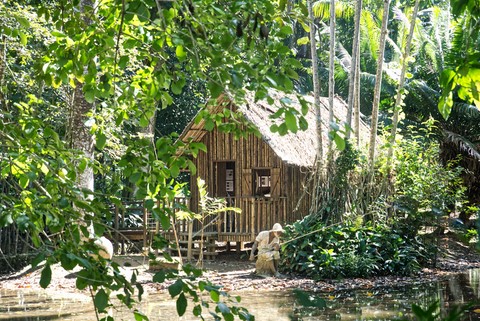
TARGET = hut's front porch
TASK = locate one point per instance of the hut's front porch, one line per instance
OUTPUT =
(134, 222)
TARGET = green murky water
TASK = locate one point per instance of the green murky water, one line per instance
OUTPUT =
(380, 304)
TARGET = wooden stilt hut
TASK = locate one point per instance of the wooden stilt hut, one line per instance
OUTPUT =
(263, 175)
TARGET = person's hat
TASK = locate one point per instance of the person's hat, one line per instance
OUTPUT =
(277, 228)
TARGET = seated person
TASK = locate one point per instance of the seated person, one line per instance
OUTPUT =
(268, 244)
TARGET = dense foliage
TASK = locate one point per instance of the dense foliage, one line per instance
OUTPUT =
(396, 235)
(132, 61)
(123, 60)
(346, 250)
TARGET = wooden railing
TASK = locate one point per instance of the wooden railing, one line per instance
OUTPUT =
(135, 222)
(257, 214)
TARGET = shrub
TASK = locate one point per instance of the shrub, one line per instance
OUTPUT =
(347, 251)
(425, 189)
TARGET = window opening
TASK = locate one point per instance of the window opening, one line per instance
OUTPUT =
(225, 179)
(262, 181)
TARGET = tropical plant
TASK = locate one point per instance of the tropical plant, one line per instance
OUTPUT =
(463, 73)
(400, 90)
(114, 56)
(378, 81)
(208, 206)
(349, 250)
(425, 189)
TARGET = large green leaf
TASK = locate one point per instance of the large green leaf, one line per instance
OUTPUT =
(101, 140)
(46, 276)
(181, 304)
(291, 121)
(176, 288)
(101, 300)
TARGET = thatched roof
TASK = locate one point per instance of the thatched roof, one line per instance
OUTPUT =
(298, 148)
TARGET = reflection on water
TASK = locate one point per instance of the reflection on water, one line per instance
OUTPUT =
(385, 304)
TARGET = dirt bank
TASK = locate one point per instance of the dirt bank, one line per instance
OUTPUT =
(236, 274)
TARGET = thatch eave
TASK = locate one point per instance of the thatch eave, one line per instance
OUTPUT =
(295, 149)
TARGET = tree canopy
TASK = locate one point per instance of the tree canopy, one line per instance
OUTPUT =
(134, 61)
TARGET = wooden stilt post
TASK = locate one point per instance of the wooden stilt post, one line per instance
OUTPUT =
(145, 226)
(253, 219)
(117, 227)
(190, 240)
(238, 246)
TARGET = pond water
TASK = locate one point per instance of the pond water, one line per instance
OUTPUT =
(380, 304)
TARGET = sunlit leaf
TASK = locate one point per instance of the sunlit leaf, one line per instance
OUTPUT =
(215, 295)
(139, 316)
(181, 54)
(291, 121)
(303, 41)
(23, 38)
(101, 140)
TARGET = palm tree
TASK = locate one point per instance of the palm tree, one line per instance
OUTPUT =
(400, 90)
(331, 73)
(378, 81)
(355, 61)
(316, 90)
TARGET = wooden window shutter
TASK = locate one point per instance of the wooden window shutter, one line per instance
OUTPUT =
(220, 179)
(275, 188)
(247, 182)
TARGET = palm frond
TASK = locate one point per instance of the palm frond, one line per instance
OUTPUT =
(400, 16)
(394, 45)
(344, 57)
(343, 9)
(458, 48)
(468, 110)
(368, 79)
(462, 143)
(369, 34)
(430, 51)
(427, 95)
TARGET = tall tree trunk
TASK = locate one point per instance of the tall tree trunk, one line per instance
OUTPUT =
(331, 74)
(356, 104)
(3, 64)
(355, 49)
(148, 133)
(81, 138)
(318, 113)
(378, 84)
(398, 100)
(80, 110)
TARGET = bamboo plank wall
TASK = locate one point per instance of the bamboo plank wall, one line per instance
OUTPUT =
(249, 153)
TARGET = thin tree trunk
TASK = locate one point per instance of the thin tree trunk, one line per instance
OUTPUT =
(355, 49)
(378, 84)
(331, 74)
(3, 64)
(398, 101)
(357, 100)
(316, 92)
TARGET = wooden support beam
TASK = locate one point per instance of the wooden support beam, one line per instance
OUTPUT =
(190, 243)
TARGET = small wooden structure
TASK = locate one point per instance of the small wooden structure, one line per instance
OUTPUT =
(262, 175)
